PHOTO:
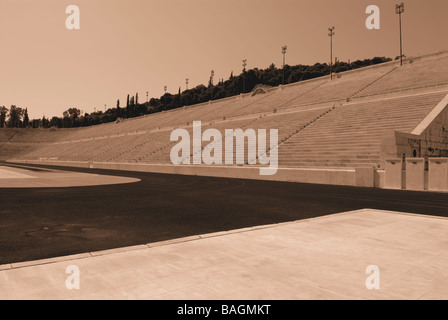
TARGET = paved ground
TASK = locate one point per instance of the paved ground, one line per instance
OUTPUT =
(322, 258)
(40, 223)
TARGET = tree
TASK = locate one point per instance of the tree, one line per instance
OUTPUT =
(35, 123)
(210, 82)
(73, 113)
(118, 109)
(15, 117)
(130, 108)
(3, 114)
(26, 119)
(177, 100)
(70, 117)
(55, 122)
(45, 122)
(166, 101)
(271, 76)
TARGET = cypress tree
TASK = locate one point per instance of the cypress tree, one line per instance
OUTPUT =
(128, 108)
(26, 119)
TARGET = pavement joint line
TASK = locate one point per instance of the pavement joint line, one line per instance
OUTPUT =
(5, 267)
(27, 264)
(118, 250)
(173, 241)
(96, 254)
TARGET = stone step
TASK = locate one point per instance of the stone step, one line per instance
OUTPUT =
(328, 164)
(335, 149)
(332, 157)
(302, 142)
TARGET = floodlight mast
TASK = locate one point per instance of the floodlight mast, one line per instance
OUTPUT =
(399, 9)
(187, 81)
(284, 49)
(331, 34)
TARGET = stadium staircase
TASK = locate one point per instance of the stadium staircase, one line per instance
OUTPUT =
(371, 84)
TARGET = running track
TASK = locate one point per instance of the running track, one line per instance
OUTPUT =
(52, 222)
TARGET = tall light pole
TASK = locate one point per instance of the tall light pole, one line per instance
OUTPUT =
(399, 9)
(244, 75)
(284, 62)
(147, 100)
(331, 34)
(186, 86)
(212, 75)
(165, 88)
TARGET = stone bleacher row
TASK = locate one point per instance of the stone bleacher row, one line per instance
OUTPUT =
(346, 136)
(32, 135)
(155, 146)
(350, 136)
(20, 141)
(12, 150)
(311, 131)
(421, 72)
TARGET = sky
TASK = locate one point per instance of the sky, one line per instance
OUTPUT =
(129, 46)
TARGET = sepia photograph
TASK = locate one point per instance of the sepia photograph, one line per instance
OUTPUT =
(223, 156)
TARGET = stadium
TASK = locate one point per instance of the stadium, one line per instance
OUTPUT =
(361, 181)
(362, 119)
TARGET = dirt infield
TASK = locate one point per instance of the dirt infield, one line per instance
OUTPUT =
(29, 177)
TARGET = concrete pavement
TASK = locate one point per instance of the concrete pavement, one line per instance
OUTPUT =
(318, 258)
